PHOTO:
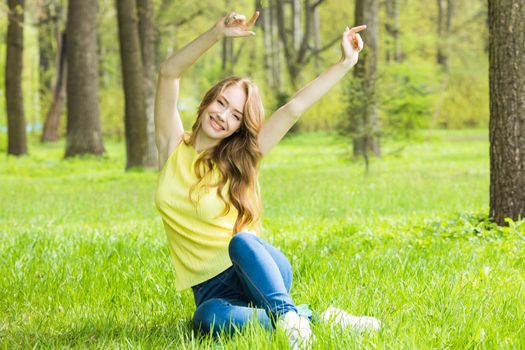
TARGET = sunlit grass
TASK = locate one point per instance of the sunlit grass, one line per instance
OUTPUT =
(85, 264)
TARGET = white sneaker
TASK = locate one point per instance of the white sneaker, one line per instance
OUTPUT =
(297, 329)
(343, 319)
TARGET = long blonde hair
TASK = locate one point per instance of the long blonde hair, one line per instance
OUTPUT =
(237, 157)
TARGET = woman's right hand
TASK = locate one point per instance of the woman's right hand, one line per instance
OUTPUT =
(236, 25)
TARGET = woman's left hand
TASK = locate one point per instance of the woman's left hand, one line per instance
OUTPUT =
(352, 44)
(236, 25)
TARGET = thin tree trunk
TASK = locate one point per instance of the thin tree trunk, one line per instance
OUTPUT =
(316, 29)
(265, 24)
(148, 49)
(507, 109)
(296, 24)
(227, 56)
(52, 121)
(444, 21)
(83, 118)
(364, 117)
(133, 79)
(393, 47)
(276, 49)
(16, 135)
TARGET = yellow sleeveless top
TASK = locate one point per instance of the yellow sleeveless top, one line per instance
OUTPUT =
(198, 235)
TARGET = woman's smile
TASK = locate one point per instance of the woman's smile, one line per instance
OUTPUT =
(216, 125)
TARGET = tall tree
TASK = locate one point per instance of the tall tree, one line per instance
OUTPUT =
(297, 42)
(83, 121)
(267, 23)
(16, 136)
(133, 78)
(363, 110)
(393, 47)
(52, 121)
(51, 31)
(148, 50)
(507, 109)
(444, 21)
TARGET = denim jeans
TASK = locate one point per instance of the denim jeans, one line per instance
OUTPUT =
(255, 288)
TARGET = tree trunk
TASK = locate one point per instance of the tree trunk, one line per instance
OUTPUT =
(52, 121)
(507, 109)
(296, 24)
(364, 116)
(16, 134)
(393, 48)
(148, 49)
(83, 121)
(265, 24)
(297, 45)
(316, 30)
(443, 32)
(133, 79)
(276, 50)
(227, 55)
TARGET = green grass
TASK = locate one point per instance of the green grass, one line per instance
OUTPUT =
(84, 261)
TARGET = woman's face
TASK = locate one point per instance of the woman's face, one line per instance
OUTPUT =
(224, 115)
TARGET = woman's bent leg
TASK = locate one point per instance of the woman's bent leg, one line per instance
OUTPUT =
(282, 263)
(220, 315)
(260, 274)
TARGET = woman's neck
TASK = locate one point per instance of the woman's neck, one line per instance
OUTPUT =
(202, 142)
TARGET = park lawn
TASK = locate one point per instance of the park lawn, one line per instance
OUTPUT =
(84, 261)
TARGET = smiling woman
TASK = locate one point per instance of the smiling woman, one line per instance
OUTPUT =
(225, 111)
(208, 193)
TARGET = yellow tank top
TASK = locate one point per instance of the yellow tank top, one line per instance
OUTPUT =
(198, 235)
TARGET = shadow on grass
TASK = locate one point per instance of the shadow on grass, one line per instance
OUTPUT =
(92, 334)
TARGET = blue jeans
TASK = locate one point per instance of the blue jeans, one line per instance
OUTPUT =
(255, 288)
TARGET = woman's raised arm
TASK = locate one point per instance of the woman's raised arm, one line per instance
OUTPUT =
(168, 126)
(285, 117)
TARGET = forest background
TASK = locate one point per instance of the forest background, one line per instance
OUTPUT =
(416, 89)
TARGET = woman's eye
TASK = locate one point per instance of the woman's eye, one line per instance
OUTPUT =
(220, 102)
(237, 117)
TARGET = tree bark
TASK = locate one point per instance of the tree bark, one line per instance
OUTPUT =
(297, 45)
(444, 21)
(148, 49)
(16, 126)
(507, 109)
(316, 30)
(393, 47)
(364, 116)
(133, 79)
(52, 121)
(83, 122)
(276, 49)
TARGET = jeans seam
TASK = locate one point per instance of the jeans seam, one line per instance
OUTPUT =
(253, 284)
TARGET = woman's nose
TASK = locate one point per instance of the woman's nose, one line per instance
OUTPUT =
(221, 116)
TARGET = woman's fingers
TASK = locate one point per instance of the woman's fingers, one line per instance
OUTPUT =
(253, 19)
(354, 37)
(358, 29)
(235, 19)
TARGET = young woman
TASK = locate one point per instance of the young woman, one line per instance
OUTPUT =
(208, 192)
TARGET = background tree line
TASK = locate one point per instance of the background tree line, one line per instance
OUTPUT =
(424, 65)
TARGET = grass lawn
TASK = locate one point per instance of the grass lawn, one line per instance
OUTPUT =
(84, 261)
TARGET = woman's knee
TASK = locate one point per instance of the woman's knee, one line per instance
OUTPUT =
(210, 317)
(241, 242)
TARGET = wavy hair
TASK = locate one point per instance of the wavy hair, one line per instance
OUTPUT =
(237, 157)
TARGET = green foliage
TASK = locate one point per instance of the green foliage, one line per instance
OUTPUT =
(466, 100)
(112, 112)
(407, 94)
